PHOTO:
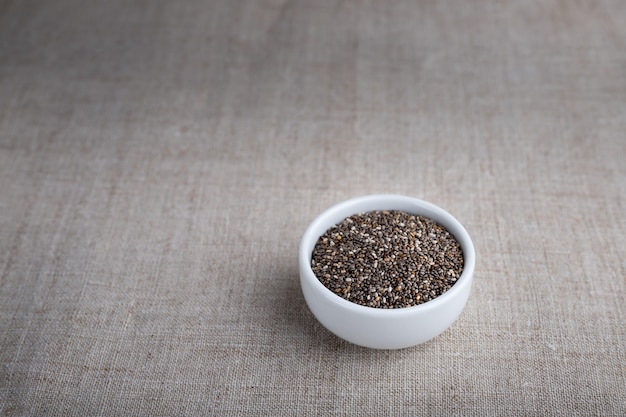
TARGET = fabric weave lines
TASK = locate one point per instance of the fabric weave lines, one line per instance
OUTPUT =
(159, 162)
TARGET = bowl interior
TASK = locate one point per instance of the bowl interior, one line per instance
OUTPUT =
(339, 212)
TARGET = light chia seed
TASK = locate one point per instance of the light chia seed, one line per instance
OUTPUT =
(387, 259)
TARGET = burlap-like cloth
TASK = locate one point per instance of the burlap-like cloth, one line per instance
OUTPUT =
(160, 160)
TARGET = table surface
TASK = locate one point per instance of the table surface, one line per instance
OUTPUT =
(160, 161)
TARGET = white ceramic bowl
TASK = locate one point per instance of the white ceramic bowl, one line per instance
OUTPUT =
(384, 328)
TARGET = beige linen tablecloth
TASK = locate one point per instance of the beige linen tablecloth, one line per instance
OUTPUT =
(160, 160)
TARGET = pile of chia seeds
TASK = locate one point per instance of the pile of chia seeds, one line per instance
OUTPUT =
(387, 259)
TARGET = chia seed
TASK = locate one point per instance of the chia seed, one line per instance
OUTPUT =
(387, 259)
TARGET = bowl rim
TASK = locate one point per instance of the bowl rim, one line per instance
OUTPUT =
(309, 239)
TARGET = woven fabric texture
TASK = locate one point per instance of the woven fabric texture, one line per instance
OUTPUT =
(160, 161)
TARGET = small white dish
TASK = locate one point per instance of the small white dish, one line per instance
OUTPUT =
(375, 327)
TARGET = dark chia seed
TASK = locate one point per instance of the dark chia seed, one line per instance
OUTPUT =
(387, 259)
